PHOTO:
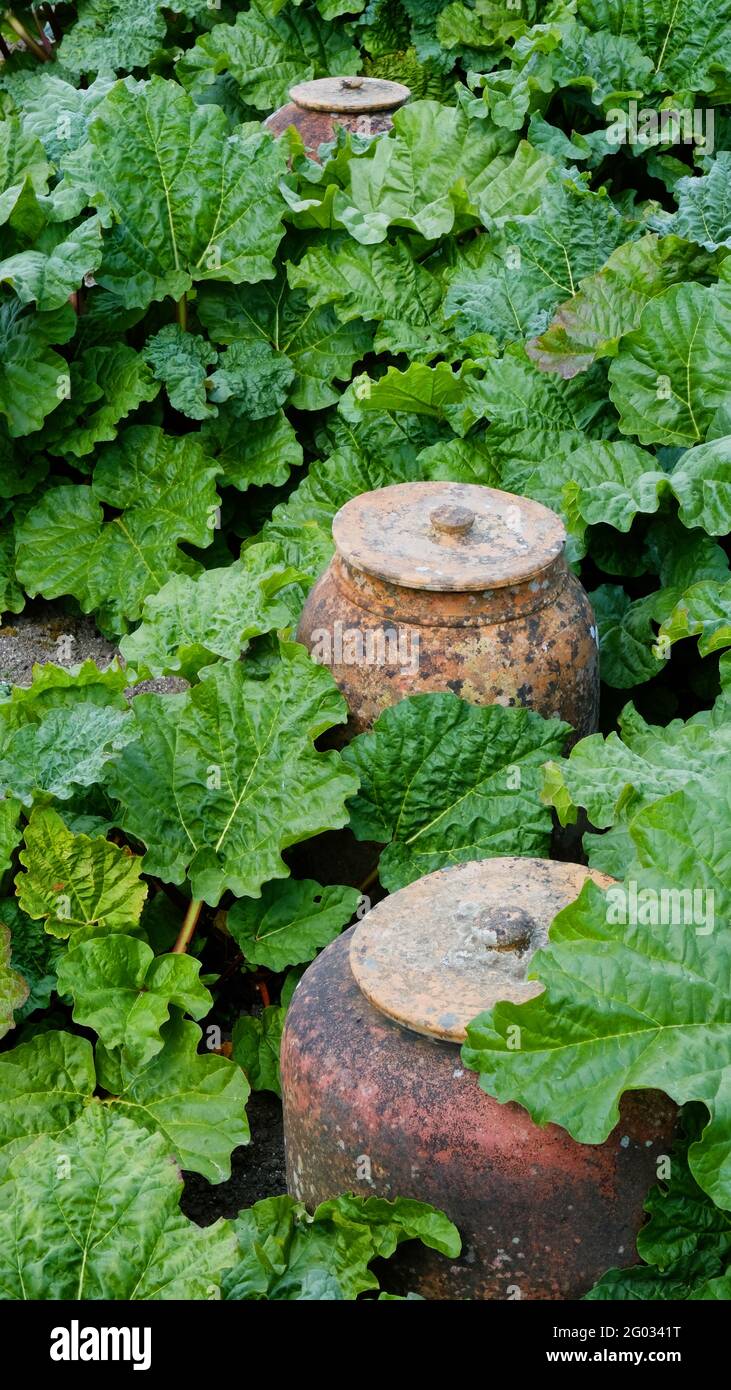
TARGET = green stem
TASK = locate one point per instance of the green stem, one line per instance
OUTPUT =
(369, 881)
(182, 312)
(190, 922)
(22, 32)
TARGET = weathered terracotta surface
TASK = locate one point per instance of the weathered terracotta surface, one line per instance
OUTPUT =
(364, 105)
(491, 609)
(442, 950)
(374, 1108)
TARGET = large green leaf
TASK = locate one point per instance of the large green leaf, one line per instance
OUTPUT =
(701, 482)
(435, 163)
(610, 302)
(672, 373)
(164, 490)
(10, 831)
(33, 953)
(382, 284)
(614, 775)
(106, 384)
(287, 1254)
(24, 172)
(256, 1044)
(182, 362)
(704, 612)
(197, 1103)
(58, 113)
(688, 44)
(517, 189)
(302, 525)
(627, 634)
(266, 51)
(124, 992)
(113, 36)
(596, 483)
(61, 687)
(443, 781)
(627, 1006)
(278, 324)
(78, 886)
(44, 1086)
(33, 378)
(252, 454)
(514, 393)
(510, 288)
(13, 986)
(291, 921)
(610, 65)
(704, 205)
(438, 392)
(56, 266)
(224, 777)
(253, 378)
(191, 621)
(95, 1215)
(675, 841)
(62, 752)
(189, 200)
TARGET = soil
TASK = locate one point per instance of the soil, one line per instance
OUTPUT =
(256, 1171)
(44, 632)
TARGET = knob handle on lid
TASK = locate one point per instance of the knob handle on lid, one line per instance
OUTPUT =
(351, 84)
(452, 521)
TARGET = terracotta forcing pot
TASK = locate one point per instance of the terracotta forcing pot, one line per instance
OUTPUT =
(378, 1102)
(362, 104)
(451, 586)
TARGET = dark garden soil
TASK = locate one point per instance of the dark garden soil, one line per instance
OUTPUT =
(256, 1170)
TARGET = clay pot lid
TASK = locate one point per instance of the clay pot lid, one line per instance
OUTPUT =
(349, 94)
(447, 536)
(436, 954)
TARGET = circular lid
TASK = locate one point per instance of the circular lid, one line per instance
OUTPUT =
(447, 536)
(436, 954)
(349, 94)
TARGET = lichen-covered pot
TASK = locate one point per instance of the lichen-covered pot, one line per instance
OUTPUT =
(364, 105)
(377, 1100)
(452, 586)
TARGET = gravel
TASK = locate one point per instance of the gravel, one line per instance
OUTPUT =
(43, 632)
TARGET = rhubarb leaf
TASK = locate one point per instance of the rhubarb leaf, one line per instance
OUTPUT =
(124, 992)
(191, 621)
(78, 886)
(190, 200)
(626, 1007)
(291, 921)
(164, 490)
(94, 1215)
(225, 776)
(443, 781)
(196, 1102)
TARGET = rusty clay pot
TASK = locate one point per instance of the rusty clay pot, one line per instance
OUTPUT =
(364, 105)
(377, 1100)
(450, 586)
